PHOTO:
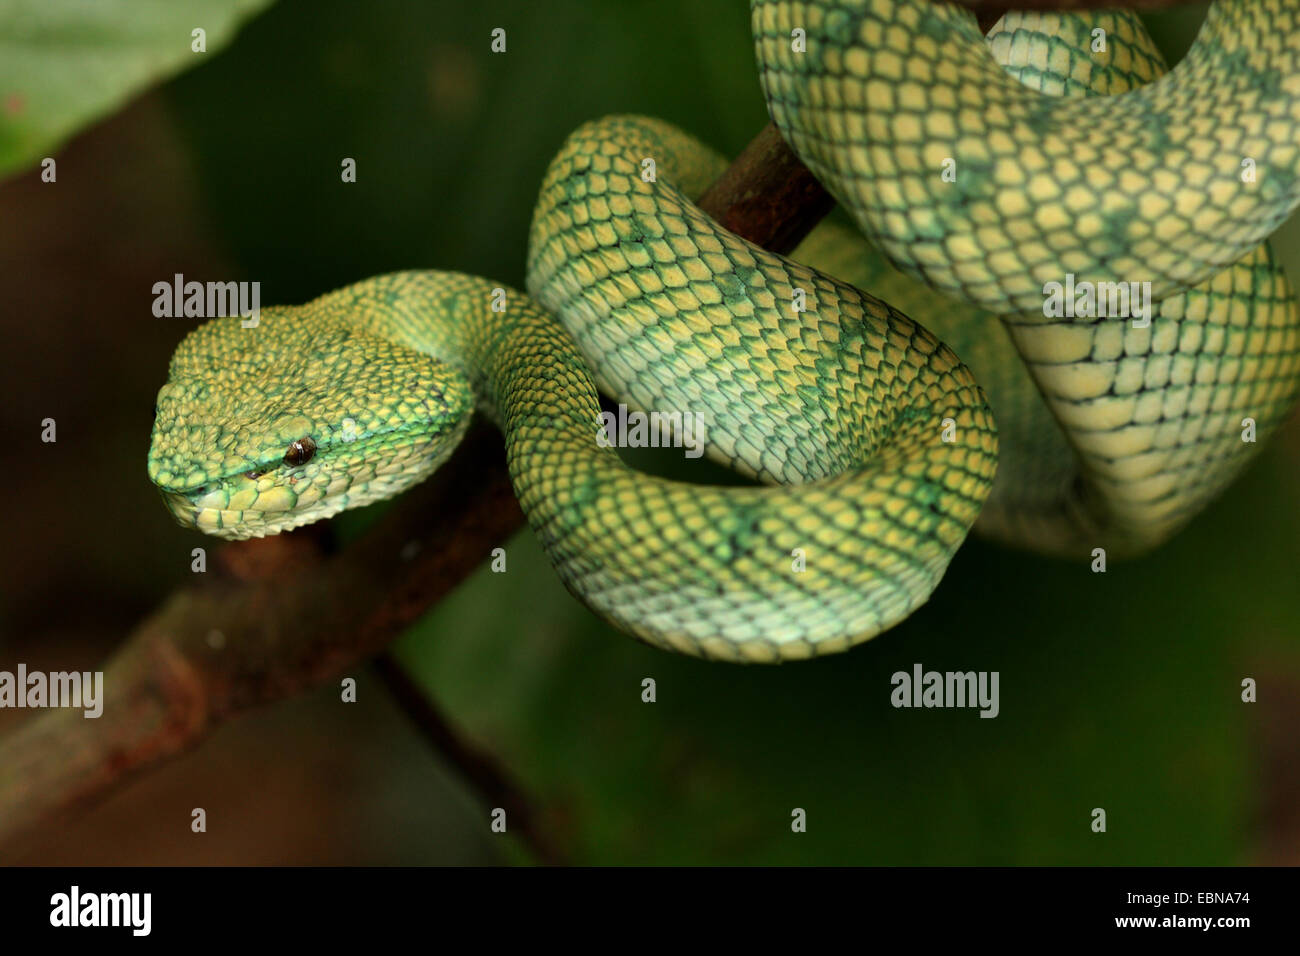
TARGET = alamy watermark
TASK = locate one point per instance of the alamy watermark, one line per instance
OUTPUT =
(1098, 300)
(78, 689)
(75, 908)
(208, 300)
(633, 429)
(922, 688)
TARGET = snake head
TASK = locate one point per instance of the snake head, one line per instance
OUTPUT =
(259, 430)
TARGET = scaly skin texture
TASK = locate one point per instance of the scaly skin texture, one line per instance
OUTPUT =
(1141, 186)
(873, 445)
(703, 570)
(1150, 420)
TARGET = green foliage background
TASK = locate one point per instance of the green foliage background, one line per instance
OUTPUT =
(64, 64)
(1118, 691)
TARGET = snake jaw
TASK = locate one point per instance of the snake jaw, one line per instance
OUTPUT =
(238, 507)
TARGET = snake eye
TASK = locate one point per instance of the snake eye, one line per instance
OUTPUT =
(300, 451)
(253, 475)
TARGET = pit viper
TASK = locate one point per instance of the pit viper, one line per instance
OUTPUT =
(977, 170)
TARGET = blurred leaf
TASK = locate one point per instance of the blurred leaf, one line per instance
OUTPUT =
(66, 63)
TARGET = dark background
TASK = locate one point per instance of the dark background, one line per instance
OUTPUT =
(1118, 691)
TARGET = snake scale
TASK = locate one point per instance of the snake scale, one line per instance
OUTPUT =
(872, 444)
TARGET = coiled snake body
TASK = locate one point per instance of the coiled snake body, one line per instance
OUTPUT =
(873, 443)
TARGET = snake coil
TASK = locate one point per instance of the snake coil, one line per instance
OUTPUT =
(979, 171)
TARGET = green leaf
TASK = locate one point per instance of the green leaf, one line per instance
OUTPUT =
(66, 63)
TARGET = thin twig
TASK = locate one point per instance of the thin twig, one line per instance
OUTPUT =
(481, 769)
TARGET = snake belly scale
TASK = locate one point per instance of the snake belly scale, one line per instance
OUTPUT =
(873, 445)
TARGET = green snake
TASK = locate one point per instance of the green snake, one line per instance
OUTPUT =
(872, 445)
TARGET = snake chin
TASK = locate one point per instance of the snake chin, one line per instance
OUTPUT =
(237, 507)
(235, 525)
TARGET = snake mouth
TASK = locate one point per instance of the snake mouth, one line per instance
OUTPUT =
(256, 504)
(241, 515)
(252, 522)
(241, 507)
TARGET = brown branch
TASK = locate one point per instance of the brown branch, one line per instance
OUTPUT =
(767, 195)
(271, 619)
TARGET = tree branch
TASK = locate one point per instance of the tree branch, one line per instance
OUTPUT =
(273, 617)
(767, 195)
